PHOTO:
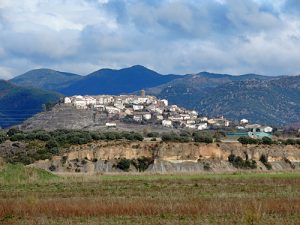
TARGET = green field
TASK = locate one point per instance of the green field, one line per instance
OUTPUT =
(31, 196)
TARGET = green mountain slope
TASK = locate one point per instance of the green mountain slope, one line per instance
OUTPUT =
(108, 81)
(189, 89)
(273, 102)
(18, 103)
(46, 79)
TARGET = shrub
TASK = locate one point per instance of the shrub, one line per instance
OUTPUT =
(142, 163)
(54, 150)
(51, 144)
(52, 168)
(3, 137)
(64, 159)
(153, 134)
(290, 142)
(167, 137)
(124, 164)
(264, 159)
(18, 137)
(248, 140)
(42, 136)
(267, 141)
(206, 166)
(203, 137)
(13, 131)
(238, 162)
(286, 160)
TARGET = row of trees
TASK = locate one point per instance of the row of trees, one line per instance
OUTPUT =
(268, 141)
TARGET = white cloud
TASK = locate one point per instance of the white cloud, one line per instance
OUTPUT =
(169, 36)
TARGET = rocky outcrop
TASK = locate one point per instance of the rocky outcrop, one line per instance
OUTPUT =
(169, 157)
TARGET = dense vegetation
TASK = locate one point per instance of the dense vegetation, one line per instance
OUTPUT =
(266, 100)
(46, 79)
(239, 162)
(268, 141)
(40, 145)
(109, 81)
(18, 104)
(141, 164)
(43, 145)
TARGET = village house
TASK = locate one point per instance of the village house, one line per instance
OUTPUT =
(202, 126)
(67, 100)
(244, 121)
(138, 107)
(112, 110)
(147, 116)
(111, 125)
(191, 126)
(167, 123)
(138, 117)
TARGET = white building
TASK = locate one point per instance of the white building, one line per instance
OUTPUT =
(167, 123)
(111, 125)
(112, 110)
(159, 117)
(185, 116)
(67, 100)
(138, 107)
(138, 118)
(105, 99)
(203, 119)
(190, 122)
(165, 102)
(191, 126)
(80, 103)
(202, 126)
(267, 129)
(173, 108)
(147, 116)
(244, 121)
(90, 100)
(119, 105)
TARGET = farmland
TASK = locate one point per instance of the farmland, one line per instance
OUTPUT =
(32, 196)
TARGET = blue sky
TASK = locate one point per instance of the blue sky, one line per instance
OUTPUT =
(169, 36)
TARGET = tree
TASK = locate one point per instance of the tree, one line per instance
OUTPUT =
(123, 164)
(3, 137)
(267, 141)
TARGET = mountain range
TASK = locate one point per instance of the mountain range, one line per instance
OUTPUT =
(270, 100)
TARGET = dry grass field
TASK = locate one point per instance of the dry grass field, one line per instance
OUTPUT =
(30, 196)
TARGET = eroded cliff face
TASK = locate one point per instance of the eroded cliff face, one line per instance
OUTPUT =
(170, 157)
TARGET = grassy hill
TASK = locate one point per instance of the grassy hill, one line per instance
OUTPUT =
(19, 103)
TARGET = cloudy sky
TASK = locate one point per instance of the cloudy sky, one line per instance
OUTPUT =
(169, 36)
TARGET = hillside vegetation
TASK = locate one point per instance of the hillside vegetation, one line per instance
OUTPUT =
(18, 103)
(273, 101)
(108, 81)
(46, 79)
(260, 99)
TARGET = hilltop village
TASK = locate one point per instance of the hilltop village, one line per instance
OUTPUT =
(146, 109)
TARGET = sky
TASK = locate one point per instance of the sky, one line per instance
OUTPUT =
(169, 36)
